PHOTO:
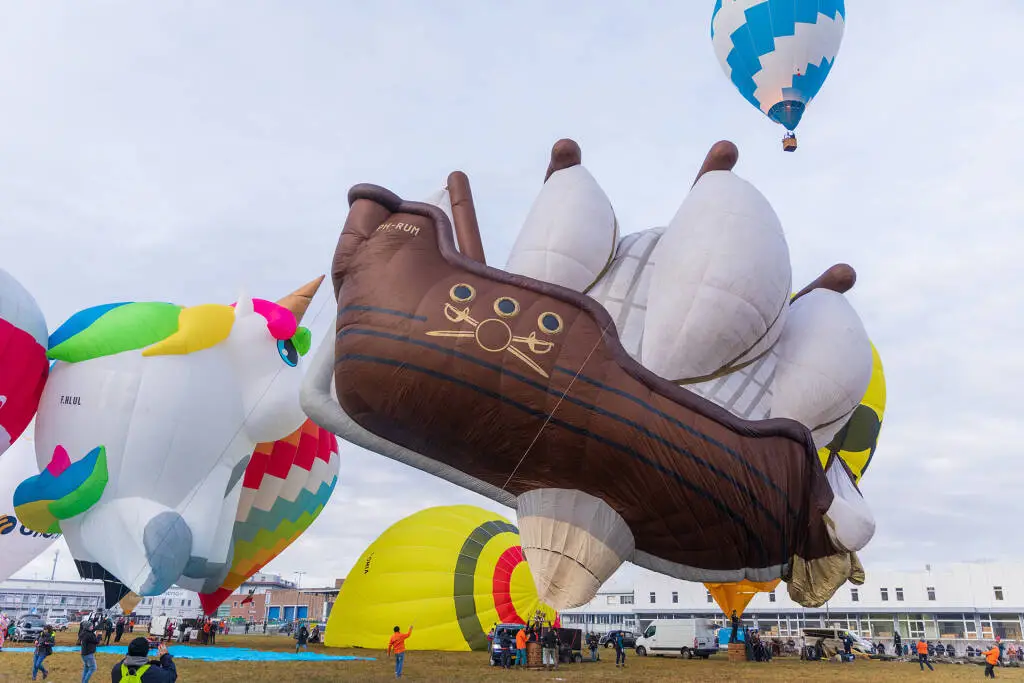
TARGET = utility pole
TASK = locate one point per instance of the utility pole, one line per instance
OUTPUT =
(53, 573)
(298, 595)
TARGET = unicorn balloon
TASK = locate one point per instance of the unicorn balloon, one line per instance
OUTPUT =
(146, 425)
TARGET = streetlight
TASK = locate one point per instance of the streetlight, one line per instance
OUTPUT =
(298, 595)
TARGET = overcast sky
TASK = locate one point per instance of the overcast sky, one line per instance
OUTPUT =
(180, 151)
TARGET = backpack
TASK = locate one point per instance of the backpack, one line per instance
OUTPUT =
(133, 677)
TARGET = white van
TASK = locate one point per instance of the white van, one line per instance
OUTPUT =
(684, 637)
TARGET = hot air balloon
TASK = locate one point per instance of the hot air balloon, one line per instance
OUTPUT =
(665, 408)
(286, 485)
(145, 427)
(453, 571)
(778, 53)
(23, 364)
(19, 544)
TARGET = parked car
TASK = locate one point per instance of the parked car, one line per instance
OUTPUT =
(59, 623)
(495, 641)
(687, 638)
(28, 627)
(628, 639)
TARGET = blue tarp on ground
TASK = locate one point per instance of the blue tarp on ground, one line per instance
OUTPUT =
(218, 654)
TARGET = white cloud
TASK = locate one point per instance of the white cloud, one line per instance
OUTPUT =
(177, 153)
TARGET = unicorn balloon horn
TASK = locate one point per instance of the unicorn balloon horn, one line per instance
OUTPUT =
(298, 301)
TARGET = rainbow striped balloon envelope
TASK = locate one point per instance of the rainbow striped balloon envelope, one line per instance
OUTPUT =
(285, 487)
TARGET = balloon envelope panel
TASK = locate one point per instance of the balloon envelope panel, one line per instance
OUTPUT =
(857, 441)
(23, 364)
(19, 545)
(452, 572)
(286, 485)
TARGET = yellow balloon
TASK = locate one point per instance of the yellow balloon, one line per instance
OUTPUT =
(737, 595)
(856, 441)
(452, 572)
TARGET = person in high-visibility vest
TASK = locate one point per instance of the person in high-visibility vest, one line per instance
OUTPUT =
(922, 654)
(137, 667)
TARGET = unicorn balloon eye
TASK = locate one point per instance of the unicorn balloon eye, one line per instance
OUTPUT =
(289, 354)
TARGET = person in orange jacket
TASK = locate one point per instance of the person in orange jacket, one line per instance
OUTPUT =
(991, 660)
(521, 647)
(397, 646)
(922, 655)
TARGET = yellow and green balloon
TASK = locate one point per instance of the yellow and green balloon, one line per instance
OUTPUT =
(451, 571)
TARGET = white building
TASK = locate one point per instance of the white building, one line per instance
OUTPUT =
(68, 598)
(176, 603)
(49, 598)
(954, 601)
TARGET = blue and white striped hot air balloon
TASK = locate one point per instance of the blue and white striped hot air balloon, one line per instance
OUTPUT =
(778, 52)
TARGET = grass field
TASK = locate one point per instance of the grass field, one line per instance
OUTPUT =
(452, 666)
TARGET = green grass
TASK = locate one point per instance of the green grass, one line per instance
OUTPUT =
(472, 667)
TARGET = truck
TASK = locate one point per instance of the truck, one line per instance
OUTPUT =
(686, 638)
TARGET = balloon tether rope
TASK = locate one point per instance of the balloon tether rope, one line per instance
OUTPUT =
(558, 403)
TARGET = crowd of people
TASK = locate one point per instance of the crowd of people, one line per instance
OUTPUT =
(512, 644)
(135, 666)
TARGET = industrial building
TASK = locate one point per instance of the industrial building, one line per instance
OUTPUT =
(975, 601)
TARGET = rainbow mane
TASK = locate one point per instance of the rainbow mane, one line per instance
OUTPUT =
(162, 329)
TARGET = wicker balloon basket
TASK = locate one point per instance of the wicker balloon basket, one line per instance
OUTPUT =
(534, 657)
(737, 652)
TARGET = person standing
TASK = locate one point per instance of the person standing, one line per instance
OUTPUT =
(922, 655)
(301, 638)
(507, 643)
(213, 632)
(88, 640)
(898, 644)
(521, 647)
(44, 648)
(396, 646)
(991, 660)
(549, 649)
(592, 643)
(735, 621)
(137, 666)
(119, 630)
(620, 649)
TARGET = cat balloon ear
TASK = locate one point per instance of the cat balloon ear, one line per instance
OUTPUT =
(244, 305)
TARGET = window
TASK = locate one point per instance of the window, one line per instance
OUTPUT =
(182, 603)
(710, 598)
(625, 599)
(899, 595)
(998, 591)
(885, 595)
(189, 603)
(771, 597)
(653, 598)
(233, 604)
(854, 595)
(931, 593)
(611, 599)
(675, 596)
(651, 630)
